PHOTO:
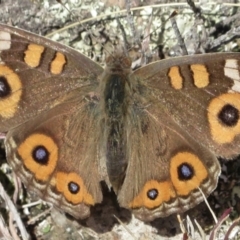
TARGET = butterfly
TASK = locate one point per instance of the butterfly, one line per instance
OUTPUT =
(152, 135)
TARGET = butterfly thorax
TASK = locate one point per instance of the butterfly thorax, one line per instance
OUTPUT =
(115, 89)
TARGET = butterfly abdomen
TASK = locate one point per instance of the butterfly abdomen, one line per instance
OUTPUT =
(115, 107)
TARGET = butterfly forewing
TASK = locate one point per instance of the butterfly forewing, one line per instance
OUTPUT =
(37, 74)
(201, 93)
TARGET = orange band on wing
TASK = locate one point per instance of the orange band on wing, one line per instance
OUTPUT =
(200, 75)
(33, 55)
(175, 77)
(57, 64)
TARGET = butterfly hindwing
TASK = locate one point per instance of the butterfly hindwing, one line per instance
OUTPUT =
(56, 156)
(166, 165)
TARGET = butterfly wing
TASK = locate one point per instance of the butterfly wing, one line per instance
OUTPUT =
(56, 156)
(179, 121)
(48, 102)
(36, 74)
(201, 93)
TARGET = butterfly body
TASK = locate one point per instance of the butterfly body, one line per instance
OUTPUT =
(153, 135)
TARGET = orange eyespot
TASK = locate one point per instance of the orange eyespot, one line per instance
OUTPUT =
(223, 117)
(187, 172)
(10, 91)
(154, 193)
(73, 188)
(39, 154)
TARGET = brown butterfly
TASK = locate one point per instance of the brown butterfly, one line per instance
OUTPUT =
(153, 135)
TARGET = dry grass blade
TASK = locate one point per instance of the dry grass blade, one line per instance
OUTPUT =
(124, 226)
(190, 227)
(15, 215)
(224, 216)
(202, 233)
(233, 230)
(4, 230)
(210, 209)
(178, 35)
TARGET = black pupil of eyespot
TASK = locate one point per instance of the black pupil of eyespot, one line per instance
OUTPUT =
(229, 115)
(152, 194)
(185, 171)
(4, 87)
(41, 155)
(73, 187)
